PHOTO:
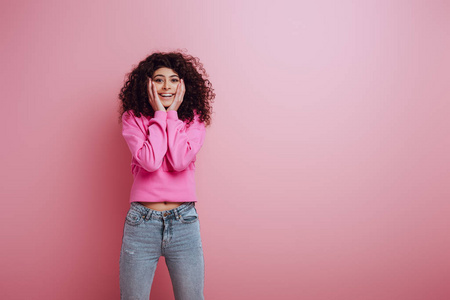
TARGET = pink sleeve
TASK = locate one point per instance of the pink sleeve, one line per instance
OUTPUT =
(183, 143)
(147, 145)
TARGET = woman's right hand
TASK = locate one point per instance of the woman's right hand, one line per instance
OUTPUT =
(153, 97)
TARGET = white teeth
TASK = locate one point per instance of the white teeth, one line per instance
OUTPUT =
(166, 95)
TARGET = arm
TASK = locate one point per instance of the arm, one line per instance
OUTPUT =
(183, 144)
(147, 145)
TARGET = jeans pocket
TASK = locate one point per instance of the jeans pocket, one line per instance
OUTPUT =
(134, 218)
(189, 216)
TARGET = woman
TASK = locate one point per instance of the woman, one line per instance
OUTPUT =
(164, 112)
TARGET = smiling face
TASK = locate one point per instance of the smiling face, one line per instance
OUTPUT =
(166, 81)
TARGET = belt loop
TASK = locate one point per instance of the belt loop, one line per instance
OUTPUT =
(148, 215)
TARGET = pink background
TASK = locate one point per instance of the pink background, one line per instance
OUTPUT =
(325, 173)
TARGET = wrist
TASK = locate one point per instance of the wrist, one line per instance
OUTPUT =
(172, 114)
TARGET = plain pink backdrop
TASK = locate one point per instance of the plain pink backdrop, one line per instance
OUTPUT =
(325, 173)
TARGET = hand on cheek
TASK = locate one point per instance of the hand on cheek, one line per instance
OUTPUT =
(179, 95)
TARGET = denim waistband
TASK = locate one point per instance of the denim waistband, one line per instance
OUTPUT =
(165, 214)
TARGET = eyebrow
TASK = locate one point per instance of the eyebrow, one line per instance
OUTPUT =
(169, 76)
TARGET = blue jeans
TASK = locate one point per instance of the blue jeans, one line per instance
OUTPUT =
(174, 234)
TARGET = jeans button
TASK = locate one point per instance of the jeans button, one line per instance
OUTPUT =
(165, 214)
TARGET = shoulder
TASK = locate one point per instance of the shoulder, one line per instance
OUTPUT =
(195, 124)
(129, 119)
(129, 115)
(196, 120)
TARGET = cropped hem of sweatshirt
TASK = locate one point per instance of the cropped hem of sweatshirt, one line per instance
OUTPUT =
(163, 154)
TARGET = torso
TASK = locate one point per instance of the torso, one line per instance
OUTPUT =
(161, 206)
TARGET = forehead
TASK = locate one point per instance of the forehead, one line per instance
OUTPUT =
(164, 72)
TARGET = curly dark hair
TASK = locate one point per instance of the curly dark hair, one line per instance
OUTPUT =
(198, 95)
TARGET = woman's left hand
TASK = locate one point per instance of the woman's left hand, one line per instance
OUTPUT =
(179, 95)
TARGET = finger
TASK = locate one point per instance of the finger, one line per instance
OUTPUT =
(183, 89)
(149, 87)
(180, 94)
(177, 93)
(155, 93)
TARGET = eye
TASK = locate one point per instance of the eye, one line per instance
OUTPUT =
(158, 80)
(174, 80)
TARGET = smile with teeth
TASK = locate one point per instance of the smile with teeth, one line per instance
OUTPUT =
(166, 95)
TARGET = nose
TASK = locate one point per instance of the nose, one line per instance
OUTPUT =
(166, 85)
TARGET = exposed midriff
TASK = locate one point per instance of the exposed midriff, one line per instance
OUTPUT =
(161, 206)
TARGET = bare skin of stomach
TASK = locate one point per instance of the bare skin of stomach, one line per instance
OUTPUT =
(161, 206)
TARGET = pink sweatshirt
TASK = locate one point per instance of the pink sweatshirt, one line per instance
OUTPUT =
(163, 156)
